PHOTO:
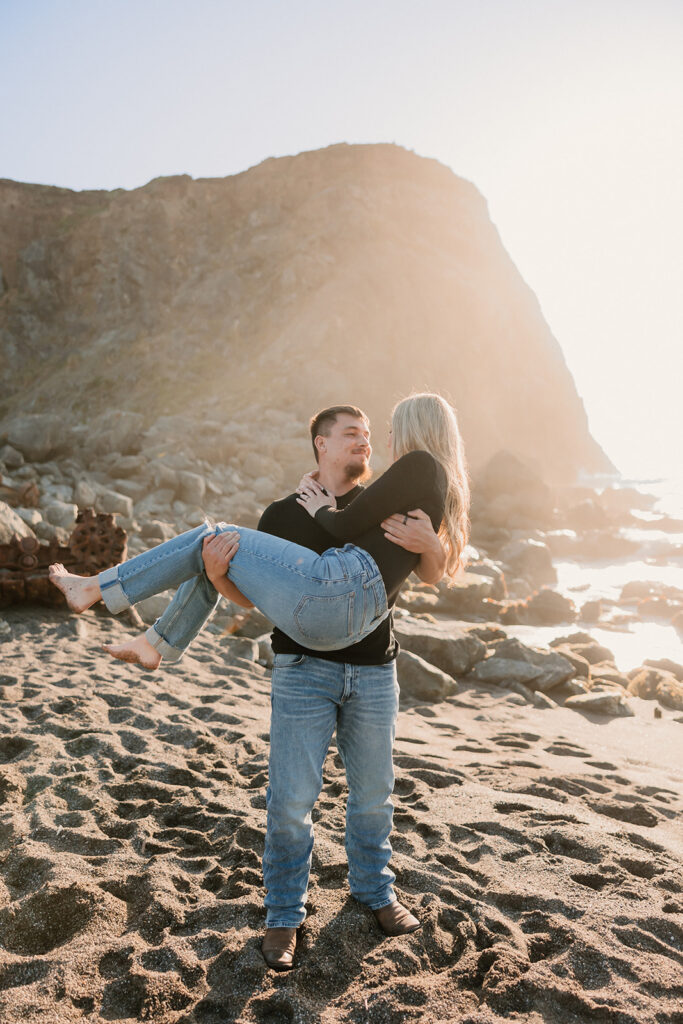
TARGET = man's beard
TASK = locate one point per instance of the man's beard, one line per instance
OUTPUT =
(356, 473)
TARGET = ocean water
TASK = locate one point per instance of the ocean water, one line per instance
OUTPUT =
(659, 558)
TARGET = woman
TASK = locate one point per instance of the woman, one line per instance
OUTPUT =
(325, 602)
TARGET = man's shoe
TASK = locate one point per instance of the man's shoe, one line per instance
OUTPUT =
(394, 919)
(278, 947)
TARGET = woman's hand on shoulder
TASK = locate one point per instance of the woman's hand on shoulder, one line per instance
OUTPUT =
(306, 479)
(312, 496)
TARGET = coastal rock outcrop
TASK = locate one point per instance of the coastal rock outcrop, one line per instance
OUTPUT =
(304, 281)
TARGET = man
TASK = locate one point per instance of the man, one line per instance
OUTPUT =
(353, 690)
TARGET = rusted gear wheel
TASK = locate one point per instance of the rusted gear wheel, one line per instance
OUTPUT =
(96, 540)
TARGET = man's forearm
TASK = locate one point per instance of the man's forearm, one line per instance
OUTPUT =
(229, 590)
(432, 564)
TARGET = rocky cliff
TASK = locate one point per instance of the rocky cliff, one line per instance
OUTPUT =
(354, 273)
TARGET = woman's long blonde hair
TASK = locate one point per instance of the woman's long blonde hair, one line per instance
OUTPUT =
(427, 422)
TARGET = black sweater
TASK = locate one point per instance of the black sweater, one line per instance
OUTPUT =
(290, 520)
(416, 480)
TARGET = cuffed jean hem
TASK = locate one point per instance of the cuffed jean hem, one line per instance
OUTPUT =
(112, 592)
(382, 903)
(283, 924)
(167, 652)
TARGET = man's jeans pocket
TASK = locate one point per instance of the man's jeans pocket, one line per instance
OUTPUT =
(288, 660)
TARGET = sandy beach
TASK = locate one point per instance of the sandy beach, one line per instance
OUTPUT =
(541, 848)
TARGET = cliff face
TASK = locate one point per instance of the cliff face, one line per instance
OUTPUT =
(351, 274)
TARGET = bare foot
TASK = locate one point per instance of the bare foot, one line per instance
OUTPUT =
(138, 651)
(81, 592)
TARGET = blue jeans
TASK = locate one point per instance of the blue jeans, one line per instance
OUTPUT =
(324, 602)
(310, 696)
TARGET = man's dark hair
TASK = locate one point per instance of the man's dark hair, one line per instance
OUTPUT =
(324, 420)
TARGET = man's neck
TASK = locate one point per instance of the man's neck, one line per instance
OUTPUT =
(337, 484)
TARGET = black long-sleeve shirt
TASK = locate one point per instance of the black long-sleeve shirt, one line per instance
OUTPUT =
(290, 520)
(416, 480)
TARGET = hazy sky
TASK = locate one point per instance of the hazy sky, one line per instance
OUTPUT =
(566, 115)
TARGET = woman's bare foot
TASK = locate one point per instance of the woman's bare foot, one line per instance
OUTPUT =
(138, 651)
(81, 592)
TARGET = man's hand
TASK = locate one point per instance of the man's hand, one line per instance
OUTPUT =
(313, 497)
(415, 533)
(218, 552)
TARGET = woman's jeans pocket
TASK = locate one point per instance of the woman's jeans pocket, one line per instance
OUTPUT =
(374, 599)
(322, 618)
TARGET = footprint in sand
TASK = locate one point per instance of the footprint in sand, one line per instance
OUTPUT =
(564, 748)
(546, 937)
(640, 868)
(635, 814)
(596, 880)
(14, 748)
(651, 935)
(564, 844)
(46, 919)
(511, 739)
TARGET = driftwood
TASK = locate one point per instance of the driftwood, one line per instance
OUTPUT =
(95, 543)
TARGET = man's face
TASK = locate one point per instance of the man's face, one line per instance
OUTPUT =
(346, 448)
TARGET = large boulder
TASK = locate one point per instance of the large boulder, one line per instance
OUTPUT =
(12, 525)
(465, 597)
(581, 665)
(191, 487)
(511, 659)
(530, 559)
(583, 646)
(85, 494)
(670, 693)
(36, 435)
(118, 431)
(505, 672)
(594, 653)
(668, 665)
(157, 530)
(238, 648)
(545, 607)
(422, 681)
(152, 608)
(450, 648)
(657, 684)
(605, 672)
(61, 513)
(419, 600)
(601, 704)
(548, 607)
(112, 501)
(31, 516)
(10, 457)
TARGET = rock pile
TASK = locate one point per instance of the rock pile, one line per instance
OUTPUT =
(177, 473)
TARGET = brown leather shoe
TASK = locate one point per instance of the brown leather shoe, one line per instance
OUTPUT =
(278, 947)
(394, 919)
